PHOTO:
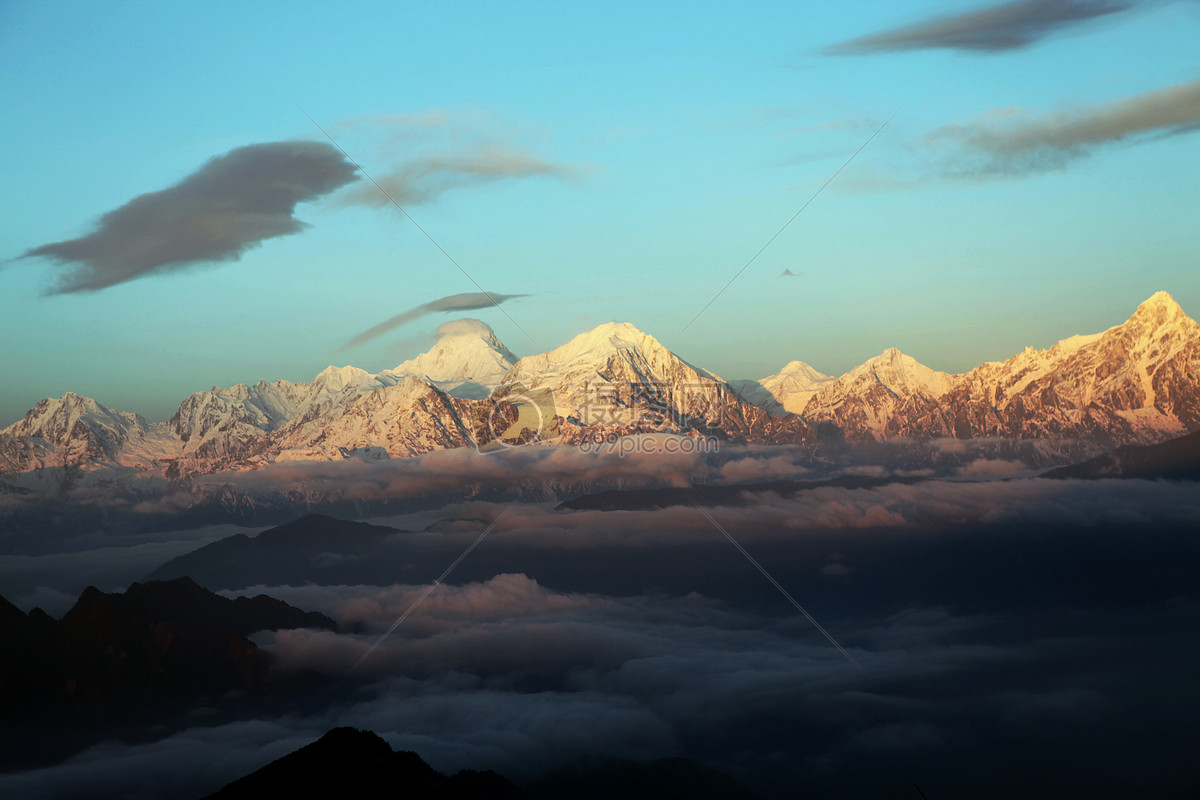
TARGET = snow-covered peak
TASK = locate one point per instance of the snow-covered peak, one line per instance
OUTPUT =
(602, 341)
(605, 361)
(77, 431)
(901, 374)
(54, 417)
(787, 390)
(468, 360)
(335, 379)
(1158, 311)
(797, 376)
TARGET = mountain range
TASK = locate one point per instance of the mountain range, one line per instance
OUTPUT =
(1136, 383)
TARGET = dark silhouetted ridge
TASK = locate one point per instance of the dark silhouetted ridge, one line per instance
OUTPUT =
(118, 661)
(348, 762)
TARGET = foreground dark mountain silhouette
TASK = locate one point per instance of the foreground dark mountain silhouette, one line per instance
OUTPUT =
(118, 660)
(1177, 459)
(346, 759)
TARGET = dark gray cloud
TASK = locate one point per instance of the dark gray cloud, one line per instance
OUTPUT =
(425, 178)
(1012, 142)
(1007, 26)
(231, 204)
(468, 301)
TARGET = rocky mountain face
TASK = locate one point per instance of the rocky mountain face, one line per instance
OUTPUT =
(890, 396)
(1138, 382)
(74, 430)
(617, 380)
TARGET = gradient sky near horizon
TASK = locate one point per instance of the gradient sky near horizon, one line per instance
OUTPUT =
(597, 161)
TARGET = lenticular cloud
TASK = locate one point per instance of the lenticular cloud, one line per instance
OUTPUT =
(231, 204)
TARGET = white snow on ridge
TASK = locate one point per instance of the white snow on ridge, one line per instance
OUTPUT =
(789, 389)
(1135, 381)
(467, 361)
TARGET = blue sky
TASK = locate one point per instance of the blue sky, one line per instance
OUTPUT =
(609, 161)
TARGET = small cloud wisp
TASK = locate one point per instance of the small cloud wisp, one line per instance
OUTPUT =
(468, 301)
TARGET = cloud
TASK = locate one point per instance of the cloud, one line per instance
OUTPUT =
(468, 301)
(988, 467)
(467, 326)
(1036, 628)
(425, 178)
(998, 28)
(1008, 142)
(230, 205)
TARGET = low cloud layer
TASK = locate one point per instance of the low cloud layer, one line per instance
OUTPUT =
(232, 204)
(1008, 142)
(1034, 698)
(1015, 629)
(425, 178)
(468, 301)
(1007, 26)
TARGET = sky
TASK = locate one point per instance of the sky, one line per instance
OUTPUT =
(178, 216)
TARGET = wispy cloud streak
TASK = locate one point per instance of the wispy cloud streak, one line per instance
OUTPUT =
(998, 28)
(468, 301)
(1008, 142)
(425, 178)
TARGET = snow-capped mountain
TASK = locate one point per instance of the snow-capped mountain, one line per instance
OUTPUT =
(467, 361)
(787, 391)
(616, 378)
(1138, 382)
(881, 398)
(616, 354)
(343, 412)
(74, 430)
